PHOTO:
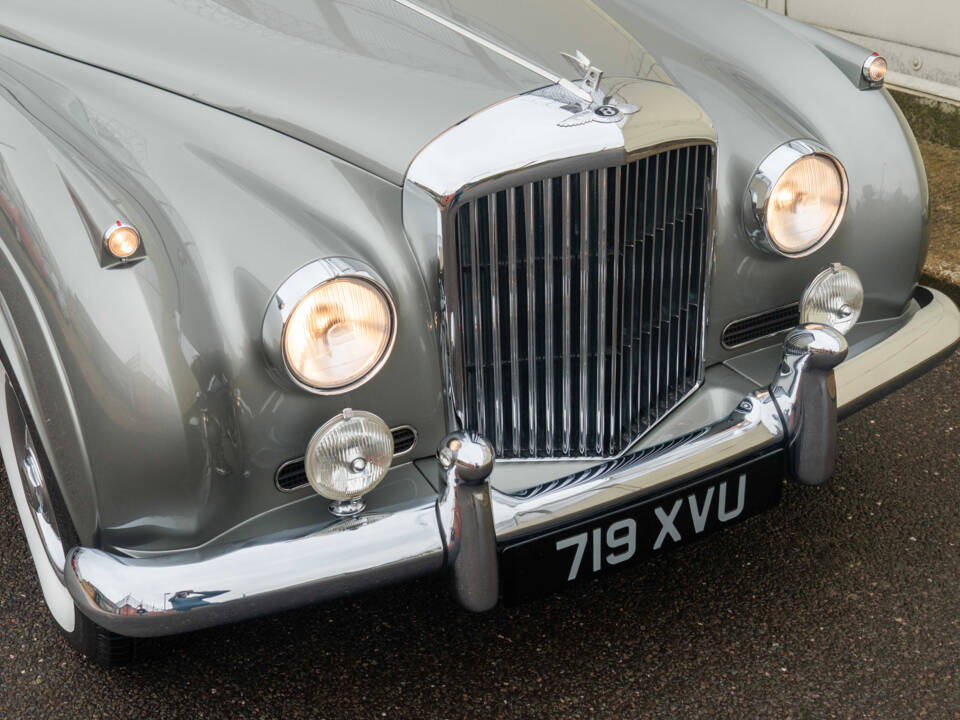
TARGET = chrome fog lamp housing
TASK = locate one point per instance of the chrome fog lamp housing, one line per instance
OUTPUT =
(834, 297)
(330, 326)
(347, 458)
(795, 199)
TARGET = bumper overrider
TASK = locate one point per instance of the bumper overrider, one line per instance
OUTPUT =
(460, 530)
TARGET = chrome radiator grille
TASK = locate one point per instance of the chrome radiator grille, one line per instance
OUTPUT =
(576, 304)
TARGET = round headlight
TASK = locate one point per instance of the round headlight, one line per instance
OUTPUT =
(796, 199)
(331, 325)
(338, 333)
(349, 455)
(834, 298)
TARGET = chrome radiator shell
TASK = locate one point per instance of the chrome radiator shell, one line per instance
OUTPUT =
(449, 193)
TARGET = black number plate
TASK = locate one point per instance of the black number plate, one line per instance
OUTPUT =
(660, 522)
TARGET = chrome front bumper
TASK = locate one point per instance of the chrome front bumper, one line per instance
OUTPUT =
(460, 529)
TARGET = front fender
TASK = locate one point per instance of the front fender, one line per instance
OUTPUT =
(176, 427)
(762, 84)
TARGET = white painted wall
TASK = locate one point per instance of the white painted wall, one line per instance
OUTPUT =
(919, 38)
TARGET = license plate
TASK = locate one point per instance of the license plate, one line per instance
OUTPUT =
(660, 522)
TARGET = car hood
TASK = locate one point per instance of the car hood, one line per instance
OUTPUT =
(370, 81)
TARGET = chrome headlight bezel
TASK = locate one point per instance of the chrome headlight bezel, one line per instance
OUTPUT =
(295, 289)
(760, 191)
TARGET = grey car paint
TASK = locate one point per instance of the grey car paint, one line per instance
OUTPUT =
(246, 139)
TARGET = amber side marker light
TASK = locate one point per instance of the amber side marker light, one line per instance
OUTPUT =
(122, 240)
(874, 69)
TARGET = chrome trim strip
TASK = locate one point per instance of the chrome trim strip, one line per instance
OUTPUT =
(498, 49)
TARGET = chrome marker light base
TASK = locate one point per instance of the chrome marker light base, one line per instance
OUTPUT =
(465, 515)
(805, 391)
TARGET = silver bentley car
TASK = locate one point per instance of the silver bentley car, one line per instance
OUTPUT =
(305, 297)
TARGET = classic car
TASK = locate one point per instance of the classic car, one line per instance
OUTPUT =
(304, 298)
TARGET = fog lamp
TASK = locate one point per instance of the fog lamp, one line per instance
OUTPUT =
(874, 69)
(834, 297)
(347, 457)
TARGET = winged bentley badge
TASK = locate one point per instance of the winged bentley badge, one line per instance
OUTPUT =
(602, 108)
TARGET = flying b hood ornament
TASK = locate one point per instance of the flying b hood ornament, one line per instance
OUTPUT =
(601, 108)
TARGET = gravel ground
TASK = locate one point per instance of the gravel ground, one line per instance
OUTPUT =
(843, 602)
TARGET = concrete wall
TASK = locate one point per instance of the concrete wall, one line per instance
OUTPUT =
(919, 38)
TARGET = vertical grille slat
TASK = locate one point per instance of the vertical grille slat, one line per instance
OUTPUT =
(497, 369)
(577, 304)
(649, 255)
(674, 303)
(602, 199)
(616, 354)
(567, 409)
(512, 292)
(584, 297)
(531, 256)
(680, 370)
(477, 312)
(662, 276)
(546, 192)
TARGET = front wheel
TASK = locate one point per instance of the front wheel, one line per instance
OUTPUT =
(50, 532)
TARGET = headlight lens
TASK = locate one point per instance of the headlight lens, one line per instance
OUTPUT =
(349, 455)
(805, 204)
(834, 298)
(795, 200)
(338, 333)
